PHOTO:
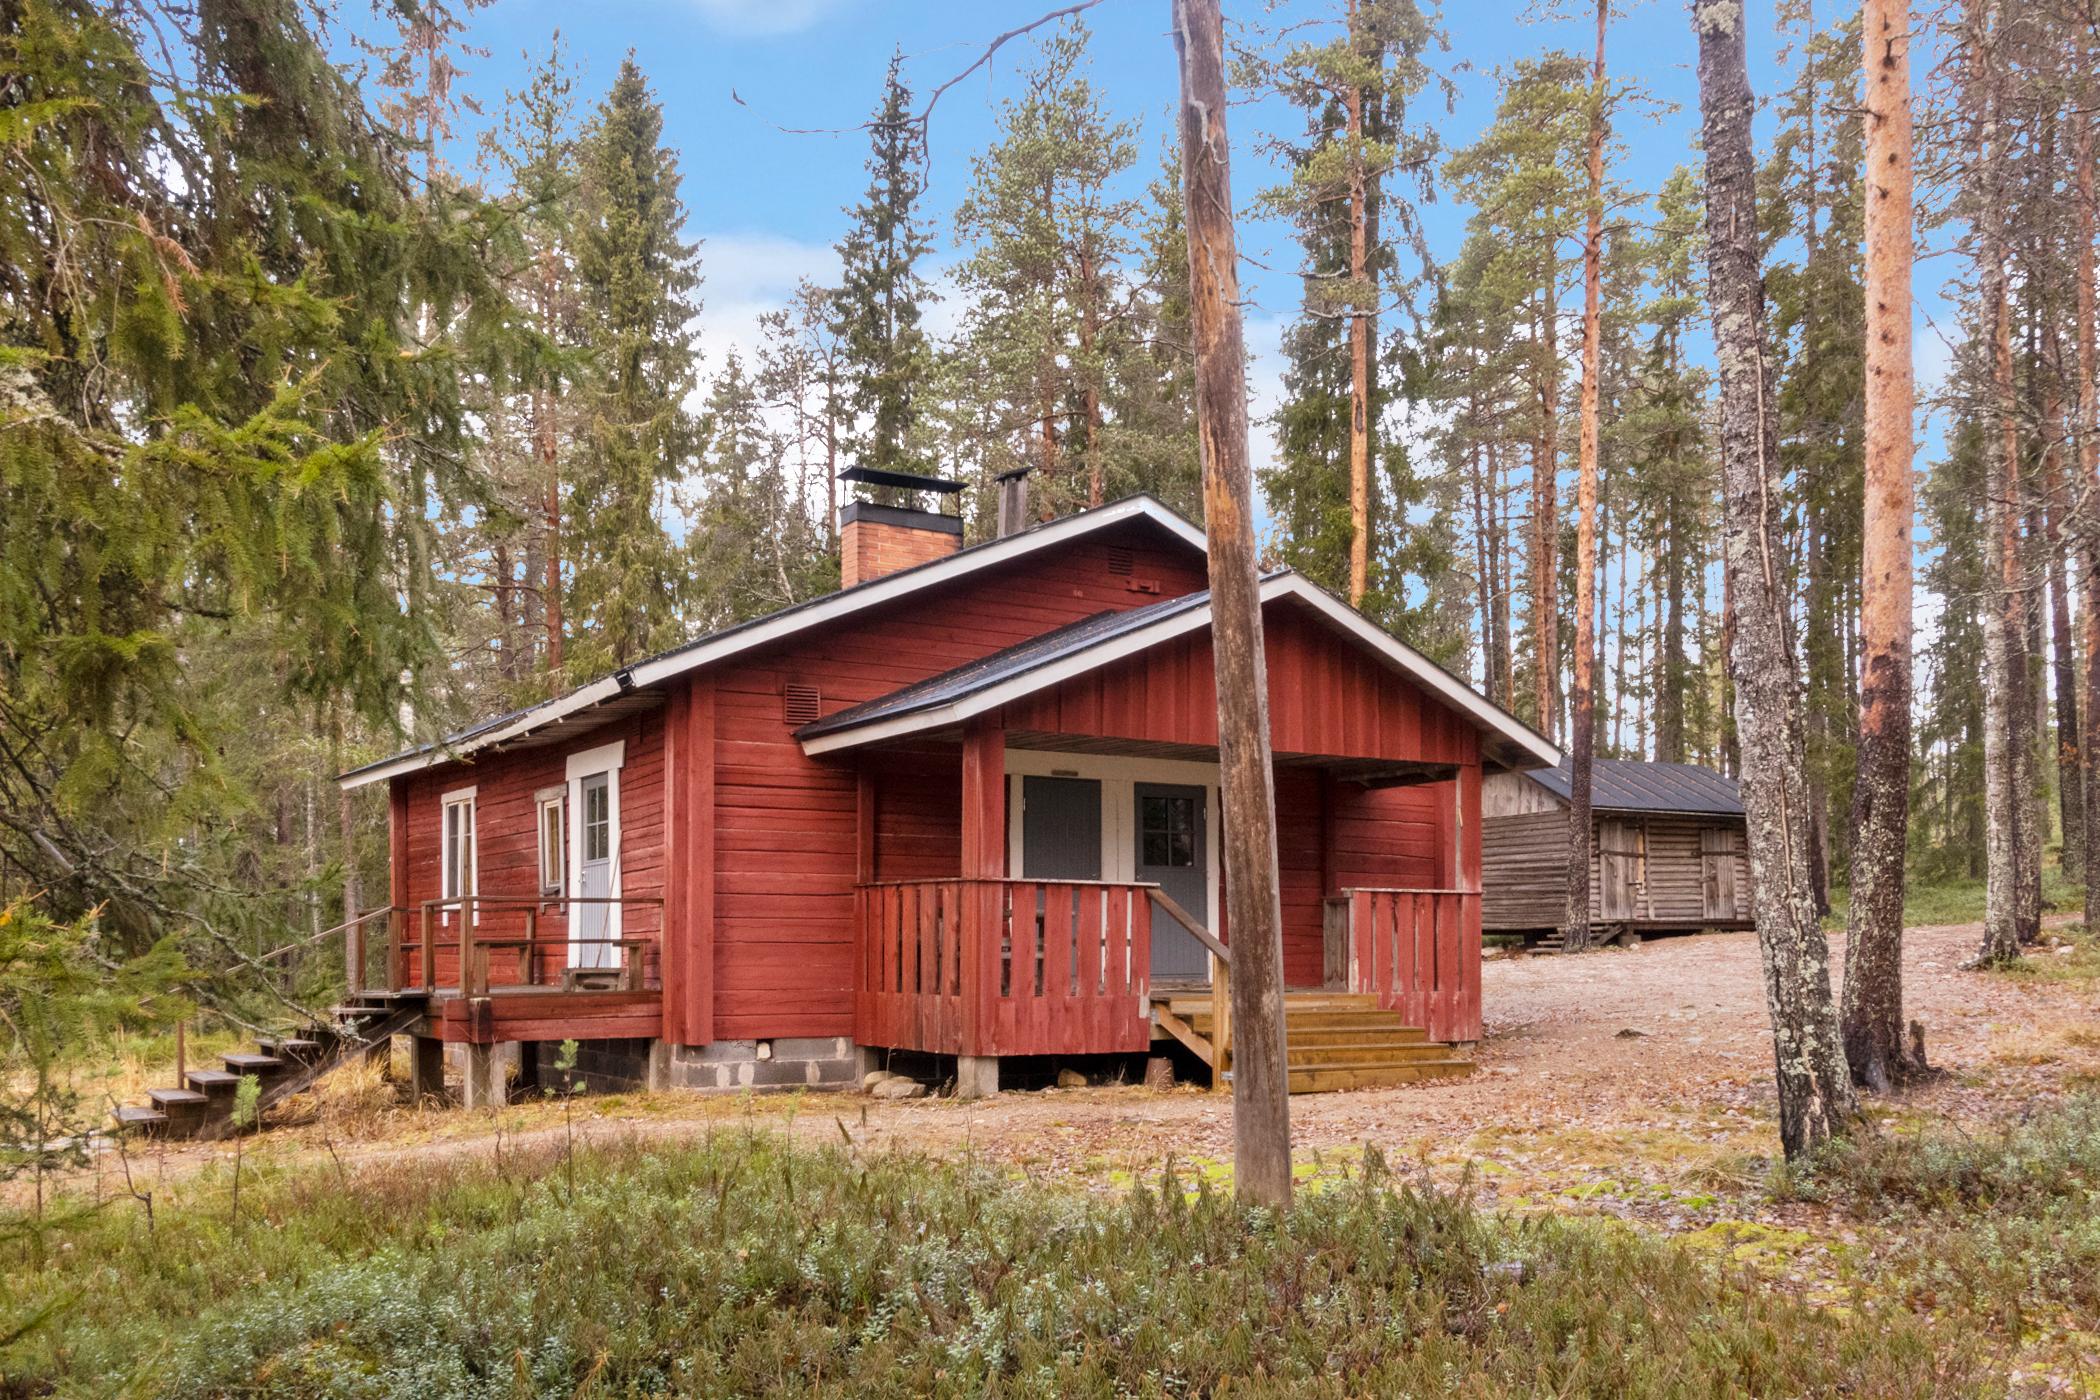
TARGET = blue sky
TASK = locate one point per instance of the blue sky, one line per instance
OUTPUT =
(768, 204)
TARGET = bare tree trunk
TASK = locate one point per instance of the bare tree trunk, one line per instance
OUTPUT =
(353, 886)
(2088, 530)
(1484, 580)
(1873, 999)
(1815, 1088)
(546, 414)
(2063, 644)
(1361, 320)
(1582, 697)
(1254, 910)
(2002, 620)
(1545, 511)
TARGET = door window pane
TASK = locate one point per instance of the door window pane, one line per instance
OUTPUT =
(597, 818)
(1168, 831)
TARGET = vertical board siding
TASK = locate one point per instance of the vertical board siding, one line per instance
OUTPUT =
(785, 823)
(507, 835)
(1326, 696)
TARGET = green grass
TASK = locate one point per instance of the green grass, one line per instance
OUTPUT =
(740, 1266)
(1961, 901)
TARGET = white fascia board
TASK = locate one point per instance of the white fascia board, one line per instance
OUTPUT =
(1403, 657)
(535, 718)
(893, 586)
(1017, 688)
(1433, 677)
(842, 604)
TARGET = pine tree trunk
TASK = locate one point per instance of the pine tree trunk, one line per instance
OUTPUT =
(1582, 716)
(546, 424)
(1254, 911)
(1361, 322)
(2088, 530)
(1815, 1087)
(2002, 726)
(1873, 997)
(1545, 511)
(2063, 649)
(1484, 583)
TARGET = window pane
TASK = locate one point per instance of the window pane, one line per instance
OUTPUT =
(1155, 848)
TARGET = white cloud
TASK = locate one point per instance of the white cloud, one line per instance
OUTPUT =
(748, 275)
(766, 19)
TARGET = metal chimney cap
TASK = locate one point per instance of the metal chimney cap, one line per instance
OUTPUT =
(909, 481)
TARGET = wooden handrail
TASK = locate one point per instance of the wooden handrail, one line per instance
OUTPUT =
(1220, 985)
(1188, 921)
(1396, 889)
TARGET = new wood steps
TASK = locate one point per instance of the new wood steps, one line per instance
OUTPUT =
(281, 1065)
(1333, 1040)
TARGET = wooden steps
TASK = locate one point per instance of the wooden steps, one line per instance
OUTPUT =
(281, 1065)
(1334, 1040)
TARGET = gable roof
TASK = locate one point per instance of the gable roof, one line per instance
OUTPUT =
(1633, 785)
(761, 631)
(1004, 676)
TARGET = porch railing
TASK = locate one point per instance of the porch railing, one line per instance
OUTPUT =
(1003, 967)
(477, 944)
(1416, 950)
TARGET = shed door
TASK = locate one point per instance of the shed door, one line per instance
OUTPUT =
(1621, 855)
(1717, 852)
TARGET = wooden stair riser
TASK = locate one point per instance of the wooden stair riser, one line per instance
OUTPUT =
(1331, 1078)
(1360, 1052)
(1325, 1035)
(1352, 1022)
(1296, 1004)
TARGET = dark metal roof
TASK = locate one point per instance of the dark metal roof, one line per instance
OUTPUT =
(1000, 666)
(464, 737)
(1631, 785)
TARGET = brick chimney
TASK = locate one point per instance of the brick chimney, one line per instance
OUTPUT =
(875, 540)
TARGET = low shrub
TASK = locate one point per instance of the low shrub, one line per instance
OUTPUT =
(2004, 1223)
(742, 1265)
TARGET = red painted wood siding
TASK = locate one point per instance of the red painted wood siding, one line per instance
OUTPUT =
(786, 823)
(1383, 837)
(1326, 696)
(505, 822)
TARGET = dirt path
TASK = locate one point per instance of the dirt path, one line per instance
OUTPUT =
(1635, 1082)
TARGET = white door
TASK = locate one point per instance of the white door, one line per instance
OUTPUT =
(597, 858)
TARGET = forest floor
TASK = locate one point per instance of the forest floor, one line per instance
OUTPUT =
(1632, 1084)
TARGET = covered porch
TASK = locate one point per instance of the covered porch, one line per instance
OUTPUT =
(1039, 832)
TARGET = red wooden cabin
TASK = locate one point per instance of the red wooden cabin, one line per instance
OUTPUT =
(966, 806)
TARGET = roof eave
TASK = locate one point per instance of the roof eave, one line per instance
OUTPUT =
(844, 603)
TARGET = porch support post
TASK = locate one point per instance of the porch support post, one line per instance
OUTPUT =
(983, 861)
(426, 1068)
(489, 1070)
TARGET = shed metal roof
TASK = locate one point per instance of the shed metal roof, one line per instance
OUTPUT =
(1634, 785)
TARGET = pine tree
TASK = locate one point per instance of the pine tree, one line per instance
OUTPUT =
(640, 283)
(1048, 237)
(754, 548)
(885, 357)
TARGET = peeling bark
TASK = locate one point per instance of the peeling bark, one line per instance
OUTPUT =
(1816, 1100)
(1254, 911)
(1875, 1047)
(1582, 697)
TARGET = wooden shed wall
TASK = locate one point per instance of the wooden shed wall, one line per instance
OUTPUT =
(1525, 859)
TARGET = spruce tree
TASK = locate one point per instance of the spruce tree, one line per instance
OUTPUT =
(640, 281)
(884, 353)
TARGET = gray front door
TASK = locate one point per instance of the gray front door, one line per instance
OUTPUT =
(594, 877)
(1171, 853)
(1060, 829)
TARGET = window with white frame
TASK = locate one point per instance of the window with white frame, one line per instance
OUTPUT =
(457, 874)
(554, 850)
